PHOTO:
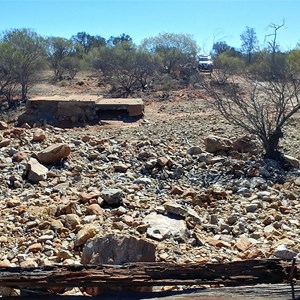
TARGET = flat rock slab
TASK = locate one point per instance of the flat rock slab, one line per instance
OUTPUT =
(163, 227)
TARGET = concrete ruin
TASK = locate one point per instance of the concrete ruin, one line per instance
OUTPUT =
(80, 109)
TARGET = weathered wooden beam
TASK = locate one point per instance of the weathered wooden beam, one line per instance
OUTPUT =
(237, 273)
(265, 292)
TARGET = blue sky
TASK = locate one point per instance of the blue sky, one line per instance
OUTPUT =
(207, 21)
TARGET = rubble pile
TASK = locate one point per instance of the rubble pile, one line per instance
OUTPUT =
(186, 184)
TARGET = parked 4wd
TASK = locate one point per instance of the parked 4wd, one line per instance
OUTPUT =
(205, 63)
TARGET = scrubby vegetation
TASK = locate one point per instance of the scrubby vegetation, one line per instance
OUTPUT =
(163, 63)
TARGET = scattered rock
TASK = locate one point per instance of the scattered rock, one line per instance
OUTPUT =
(94, 209)
(284, 253)
(162, 227)
(293, 162)
(215, 144)
(87, 232)
(3, 125)
(120, 167)
(36, 247)
(35, 171)
(209, 206)
(85, 197)
(54, 153)
(39, 135)
(4, 143)
(195, 150)
(71, 221)
(19, 156)
(112, 196)
(245, 144)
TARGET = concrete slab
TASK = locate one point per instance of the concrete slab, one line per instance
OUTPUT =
(81, 108)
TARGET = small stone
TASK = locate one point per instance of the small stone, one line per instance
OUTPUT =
(13, 202)
(85, 233)
(284, 253)
(19, 156)
(217, 243)
(144, 181)
(268, 220)
(252, 207)
(64, 254)
(28, 263)
(4, 143)
(35, 171)
(162, 161)
(128, 220)
(231, 220)
(195, 150)
(245, 144)
(244, 192)
(293, 162)
(176, 190)
(86, 138)
(269, 229)
(264, 195)
(61, 187)
(3, 240)
(94, 209)
(242, 244)
(17, 131)
(5, 263)
(297, 181)
(71, 221)
(45, 238)
(56, 225)
(39, 135)
(163, 227)
(151, 163)
(3, 125)
(120, 167)
(175, 209)
(36, 247)
(85, 197)
(112, 196)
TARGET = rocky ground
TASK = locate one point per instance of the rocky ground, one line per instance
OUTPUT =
(171, 178)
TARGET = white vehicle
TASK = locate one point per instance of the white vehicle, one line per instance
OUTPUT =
(205, 63)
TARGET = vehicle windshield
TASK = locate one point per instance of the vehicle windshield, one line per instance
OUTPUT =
(204, 58)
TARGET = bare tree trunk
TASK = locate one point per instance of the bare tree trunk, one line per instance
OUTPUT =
(271, 145)
(24, 90)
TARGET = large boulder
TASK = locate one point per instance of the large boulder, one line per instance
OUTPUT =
(215, 144)
(117, 250)
(245, 144)
(162, 227)
(54, 153)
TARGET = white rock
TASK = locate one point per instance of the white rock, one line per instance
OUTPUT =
(284, 253)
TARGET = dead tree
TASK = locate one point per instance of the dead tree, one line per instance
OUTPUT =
(260, 108)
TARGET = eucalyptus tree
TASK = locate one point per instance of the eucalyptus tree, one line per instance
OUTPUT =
(173, 51)
(26, 56)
